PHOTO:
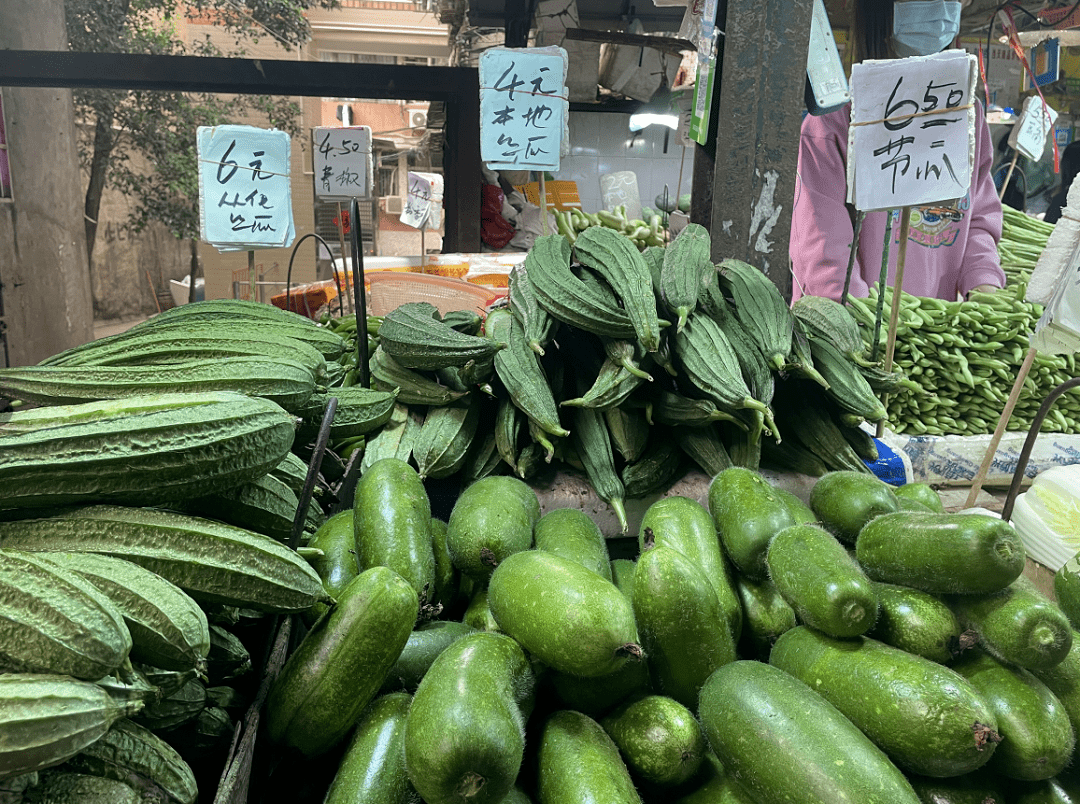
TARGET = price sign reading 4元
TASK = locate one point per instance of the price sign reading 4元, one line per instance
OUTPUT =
(912, 135)
(342, 161)
(244, 187)
(423, 204)
(523, 104)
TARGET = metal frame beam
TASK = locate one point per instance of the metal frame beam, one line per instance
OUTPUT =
(458, 87)
(744, 187)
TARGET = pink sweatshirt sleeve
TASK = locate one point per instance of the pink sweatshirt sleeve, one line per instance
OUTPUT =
(981, 265)
(821, 225)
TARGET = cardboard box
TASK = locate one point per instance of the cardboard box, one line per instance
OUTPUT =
(561, 194)
(636, 71)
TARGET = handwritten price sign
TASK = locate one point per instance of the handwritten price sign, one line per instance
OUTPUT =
(1029, 134)
(244, 190)
(523, 104)
(342, 159)
(423, 204)
(912, 135)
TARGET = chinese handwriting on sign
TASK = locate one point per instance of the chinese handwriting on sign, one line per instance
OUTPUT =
(244, 194)
(534, 114)
(255, 212)
(342, 158)
(522, 107)
(419, 198)
(901, 112)
(912, 135)
(423, 204)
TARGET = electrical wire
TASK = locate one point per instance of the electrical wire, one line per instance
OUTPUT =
(1015, 5)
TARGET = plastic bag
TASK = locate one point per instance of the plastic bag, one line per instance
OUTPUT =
(495, 230)
(531, 226)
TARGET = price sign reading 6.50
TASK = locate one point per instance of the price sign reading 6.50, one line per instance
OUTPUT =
(912, 135)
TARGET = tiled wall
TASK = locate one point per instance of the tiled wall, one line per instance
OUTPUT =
(601, 142)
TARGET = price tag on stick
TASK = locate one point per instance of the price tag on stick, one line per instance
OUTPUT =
(244, 187)
(423, 204)
(911, 143)
(523, 105)
(1029, 134)
(342, 162)
(912, 136)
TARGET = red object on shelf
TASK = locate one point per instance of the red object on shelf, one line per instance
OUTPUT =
(307, 299)
(495, 230)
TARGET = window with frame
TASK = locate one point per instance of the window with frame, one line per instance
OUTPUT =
(5, 164)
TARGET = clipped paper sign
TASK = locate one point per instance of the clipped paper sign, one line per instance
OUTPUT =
(244, 189)
(342, 159)
(523, 105)
(1029, 134)
(423, 204)
(912, 136)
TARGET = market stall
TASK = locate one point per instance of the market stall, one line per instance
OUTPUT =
(547, 419)
(614, 522)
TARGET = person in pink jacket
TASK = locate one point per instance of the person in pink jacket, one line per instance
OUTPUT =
(947, 257)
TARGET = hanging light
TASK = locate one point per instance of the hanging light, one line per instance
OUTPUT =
(658, 111)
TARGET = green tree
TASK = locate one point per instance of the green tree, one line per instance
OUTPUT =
(160, 127)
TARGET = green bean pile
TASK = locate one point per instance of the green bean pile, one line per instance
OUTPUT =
(964, 357)
(1023, 239)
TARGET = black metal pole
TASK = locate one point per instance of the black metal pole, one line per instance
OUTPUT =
(288, 273)
(313, 471)
(359, 294)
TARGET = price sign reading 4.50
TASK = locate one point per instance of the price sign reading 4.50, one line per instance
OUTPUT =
(342, 162)
(523, 103)
(912, 135)
(244, 191)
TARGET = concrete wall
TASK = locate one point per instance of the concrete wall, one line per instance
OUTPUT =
(44, 271)
(130, 267)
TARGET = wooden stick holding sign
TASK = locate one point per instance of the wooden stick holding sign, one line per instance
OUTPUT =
(999, 431)
(544, 205)
(898, 287)
(341, 242)
(1028, 137)
(1008, 176)
(894, 310)
(251, 274)
(860, 217)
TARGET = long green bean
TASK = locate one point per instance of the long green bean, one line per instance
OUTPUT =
(961, 360)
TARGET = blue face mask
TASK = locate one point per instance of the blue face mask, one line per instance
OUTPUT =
(924, 27)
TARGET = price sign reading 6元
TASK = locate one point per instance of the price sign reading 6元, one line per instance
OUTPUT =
(912, 135)
(523, 103)
(244, 188)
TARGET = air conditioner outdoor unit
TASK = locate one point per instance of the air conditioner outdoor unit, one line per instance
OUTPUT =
(393, 204)
(418, 119)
